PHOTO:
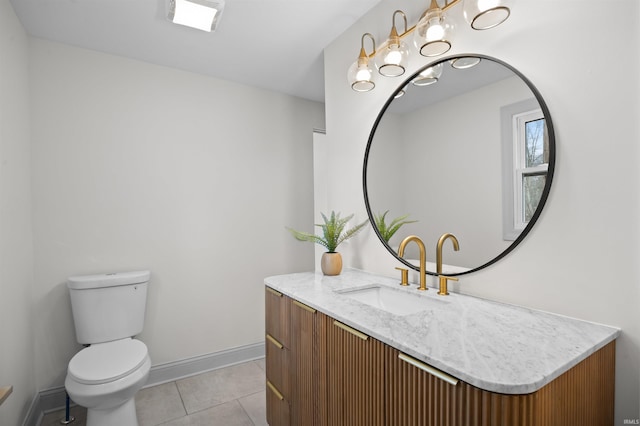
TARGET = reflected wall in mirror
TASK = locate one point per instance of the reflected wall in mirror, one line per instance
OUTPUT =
(472, 154)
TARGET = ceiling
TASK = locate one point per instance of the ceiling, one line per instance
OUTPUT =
(271, 44)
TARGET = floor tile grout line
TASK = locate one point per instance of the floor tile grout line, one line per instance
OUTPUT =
(237, 399)
(175, 383)
(181, 401)
(219, 404)
(244, 410)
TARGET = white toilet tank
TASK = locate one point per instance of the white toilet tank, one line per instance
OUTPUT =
(108, 307)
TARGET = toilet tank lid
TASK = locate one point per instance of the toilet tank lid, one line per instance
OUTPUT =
(108, 280)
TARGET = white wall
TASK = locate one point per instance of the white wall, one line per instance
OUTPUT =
(581, 259)
(140, 166)
(16, 249)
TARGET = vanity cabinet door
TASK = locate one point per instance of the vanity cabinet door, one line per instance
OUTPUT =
(420, 395)
(582, 396)
(277, 357)
(304, 368)
(354, 388)
(277, 308)
(278, 409)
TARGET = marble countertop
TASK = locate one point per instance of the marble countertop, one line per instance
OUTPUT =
(493, 346)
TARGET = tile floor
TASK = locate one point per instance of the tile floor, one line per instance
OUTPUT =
(230, 396)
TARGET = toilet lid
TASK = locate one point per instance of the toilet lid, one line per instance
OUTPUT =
(106, 362)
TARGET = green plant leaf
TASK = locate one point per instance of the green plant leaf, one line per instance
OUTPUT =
(333, 232)
(303, 236)
(388, 230)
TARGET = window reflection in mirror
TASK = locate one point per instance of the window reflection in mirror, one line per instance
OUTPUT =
(525, 141)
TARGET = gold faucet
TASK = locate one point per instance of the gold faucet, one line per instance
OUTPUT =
(423, 258)
(443, 279)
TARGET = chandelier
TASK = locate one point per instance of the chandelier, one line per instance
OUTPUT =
(430, 37)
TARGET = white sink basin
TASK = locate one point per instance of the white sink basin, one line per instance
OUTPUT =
(397, 302)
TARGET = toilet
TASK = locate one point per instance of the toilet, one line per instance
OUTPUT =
(108, 312)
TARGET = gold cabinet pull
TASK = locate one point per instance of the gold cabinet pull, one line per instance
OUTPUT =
(277, 293)
(351, 330)
(429, 369)
(5, 391)
(275, 391)
(303, 306)
(274, 341)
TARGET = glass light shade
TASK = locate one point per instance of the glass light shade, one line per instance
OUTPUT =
(360, 76)
(400, 93)
(485, 14)
(429, 76)
(392, 59)
(430, 35)
(465, 62)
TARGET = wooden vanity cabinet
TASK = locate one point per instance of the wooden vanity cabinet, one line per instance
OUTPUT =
(304, 365)
(583, 396)
(323, 373)
(292, 366)
(415, 397)
(277, 307)
(277, 355)
(353, 366)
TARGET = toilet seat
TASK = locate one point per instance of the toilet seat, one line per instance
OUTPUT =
(106, 362)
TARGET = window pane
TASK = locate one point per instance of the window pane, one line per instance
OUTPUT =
(534, 134)
(532, 187)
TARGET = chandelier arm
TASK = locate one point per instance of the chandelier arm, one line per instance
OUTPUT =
(449, 3)
(373, 42)
(393, 20)
(410, 30)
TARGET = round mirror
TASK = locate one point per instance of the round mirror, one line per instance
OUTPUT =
(464, 146)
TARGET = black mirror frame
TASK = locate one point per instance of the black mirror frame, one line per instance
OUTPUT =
(545, 192)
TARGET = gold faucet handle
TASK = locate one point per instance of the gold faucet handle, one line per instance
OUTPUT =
(443, 284)
(404, 276)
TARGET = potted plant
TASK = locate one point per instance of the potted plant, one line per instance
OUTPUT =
(387, 230)
(333, 233)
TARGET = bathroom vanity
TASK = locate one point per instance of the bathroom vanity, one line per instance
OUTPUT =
(341, 351)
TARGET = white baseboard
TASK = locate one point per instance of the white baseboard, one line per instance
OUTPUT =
(171, 371)
(55, 399)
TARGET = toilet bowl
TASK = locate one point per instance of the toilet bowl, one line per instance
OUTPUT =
(108, 311)
(105, 377)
